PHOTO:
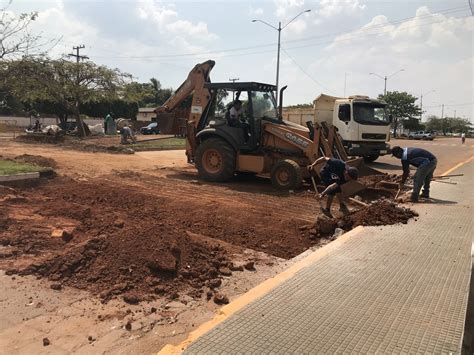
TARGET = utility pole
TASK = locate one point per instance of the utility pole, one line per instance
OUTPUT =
(442, 111)
(78, 57)
(454, 114)
(80, 124)
(233, 92)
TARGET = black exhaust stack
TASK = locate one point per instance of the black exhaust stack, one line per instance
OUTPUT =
(280, 107)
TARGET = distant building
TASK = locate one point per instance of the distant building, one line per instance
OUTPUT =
(146, 114)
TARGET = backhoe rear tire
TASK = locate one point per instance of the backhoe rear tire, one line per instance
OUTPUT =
(286, 174)
(215, 160)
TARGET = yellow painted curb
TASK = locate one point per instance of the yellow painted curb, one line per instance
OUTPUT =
(257, 292)
(457, 166)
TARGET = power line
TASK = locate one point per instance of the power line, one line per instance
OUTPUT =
(304, 71)
(457, 9)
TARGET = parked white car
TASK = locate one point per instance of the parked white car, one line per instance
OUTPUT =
(421, 135)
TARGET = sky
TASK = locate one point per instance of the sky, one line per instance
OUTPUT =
(423, 47)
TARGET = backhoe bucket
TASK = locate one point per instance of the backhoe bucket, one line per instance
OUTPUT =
(352, 187)
(364, 170)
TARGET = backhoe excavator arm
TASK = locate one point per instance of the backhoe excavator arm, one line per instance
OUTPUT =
(194, 84)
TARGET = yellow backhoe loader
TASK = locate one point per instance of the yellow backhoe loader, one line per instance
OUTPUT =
(269, 145)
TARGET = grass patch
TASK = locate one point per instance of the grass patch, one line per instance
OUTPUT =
(8, 167)
(161, 144)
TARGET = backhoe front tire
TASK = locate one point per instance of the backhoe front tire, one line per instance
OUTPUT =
(286, 174)
(215, 160)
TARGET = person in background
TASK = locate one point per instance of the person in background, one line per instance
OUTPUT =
(425, 164)
(463, 137)
(107, 120)
(126, 134)
(334, 174)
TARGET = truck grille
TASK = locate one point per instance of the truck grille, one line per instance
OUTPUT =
(374, 136)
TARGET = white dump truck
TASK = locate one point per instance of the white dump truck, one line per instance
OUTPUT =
(362, 122)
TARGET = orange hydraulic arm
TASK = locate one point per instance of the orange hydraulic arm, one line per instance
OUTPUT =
(194, 84)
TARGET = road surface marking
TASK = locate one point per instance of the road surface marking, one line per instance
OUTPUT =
(257, 292)
(457, 166)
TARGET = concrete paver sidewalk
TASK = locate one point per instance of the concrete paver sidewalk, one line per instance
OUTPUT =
(401, 288)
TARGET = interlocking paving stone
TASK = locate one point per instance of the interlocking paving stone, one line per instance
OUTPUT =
(398, 289)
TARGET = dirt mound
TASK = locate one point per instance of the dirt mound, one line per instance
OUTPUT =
(37, 159)
(122, 240)
(40, 138)
(139, 265)
(380, 212)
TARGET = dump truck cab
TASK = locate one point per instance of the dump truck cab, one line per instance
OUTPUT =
(362, 122)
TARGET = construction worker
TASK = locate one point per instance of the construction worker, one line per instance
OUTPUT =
(234, 118)
(127, 133)
(334, 174)
(424, 161)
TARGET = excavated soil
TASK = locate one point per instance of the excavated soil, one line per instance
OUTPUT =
(37, 159)
(115, 240)
(139, 236)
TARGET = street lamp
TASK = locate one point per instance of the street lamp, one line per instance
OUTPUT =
(279, 29)
(421, 103)
(385, 79)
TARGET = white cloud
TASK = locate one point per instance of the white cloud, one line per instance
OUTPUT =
(255, 11)
(286, 8)
(165, 18)
(330, 8)
(434, 49)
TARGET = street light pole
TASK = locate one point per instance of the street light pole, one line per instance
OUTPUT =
(278, 62)
(279, 29)
(385, 79)
(421, 103)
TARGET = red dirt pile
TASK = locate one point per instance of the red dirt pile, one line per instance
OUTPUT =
(37, 159)
(380, 212)
(114, 239)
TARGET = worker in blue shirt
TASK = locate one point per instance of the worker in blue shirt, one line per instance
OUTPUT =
(334, 174)
(424, 161)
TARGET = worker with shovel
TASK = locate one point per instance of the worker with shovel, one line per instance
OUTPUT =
(333, 174)
(424, 161)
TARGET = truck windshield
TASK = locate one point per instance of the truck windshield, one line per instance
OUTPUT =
(370, 114)
(263, 104)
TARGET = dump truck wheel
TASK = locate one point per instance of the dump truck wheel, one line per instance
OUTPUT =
(215, 160)
(286, 175)
(370, 158)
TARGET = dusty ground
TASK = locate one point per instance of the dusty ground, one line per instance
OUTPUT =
(147, 243)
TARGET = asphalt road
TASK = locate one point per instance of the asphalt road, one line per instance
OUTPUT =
(449, 152)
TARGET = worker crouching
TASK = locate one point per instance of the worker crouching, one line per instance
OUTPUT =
(334, 174)
(127, 135)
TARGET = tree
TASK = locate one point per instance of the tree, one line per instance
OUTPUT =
(64, 83)
(401, 106)
(448, 124)
(412, 124)
(16, 40)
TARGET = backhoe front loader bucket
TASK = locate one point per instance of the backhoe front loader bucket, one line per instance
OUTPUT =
(364, 170)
